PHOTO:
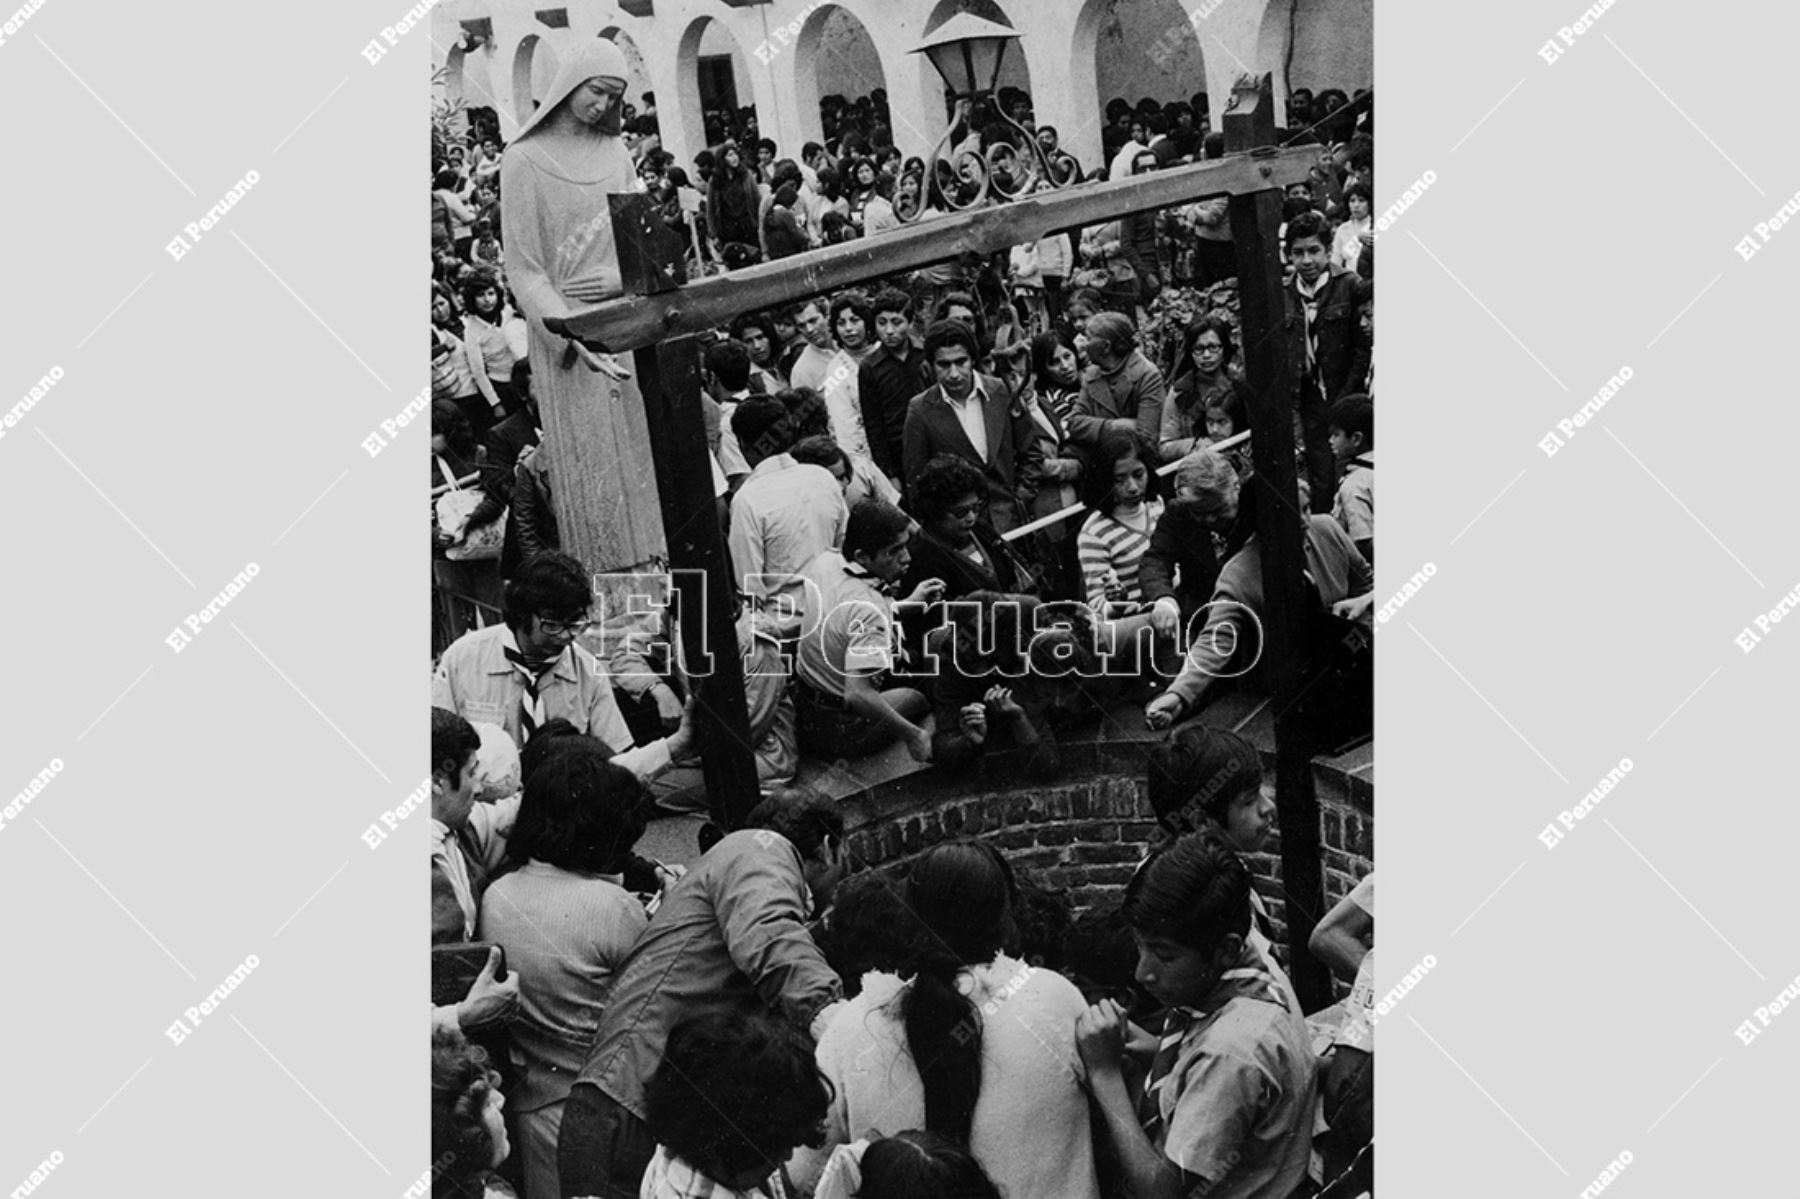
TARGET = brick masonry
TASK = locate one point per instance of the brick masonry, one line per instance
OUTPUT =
(1087, 833)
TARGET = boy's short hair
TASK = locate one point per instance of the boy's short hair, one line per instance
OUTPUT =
(1354, 414)
(820, 450)
(453, 739)
(580, 812)
(551, 583)
(875, 524)
(1308, 224)
(736, 1088)
(1202, 768)
(802, 815)
(762, 425)
(729, 361)
(1194, 891)
(1359, 188)
(892, 299)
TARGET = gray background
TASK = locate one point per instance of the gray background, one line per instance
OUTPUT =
(210, 415)
(212, 411)
(1584, 605)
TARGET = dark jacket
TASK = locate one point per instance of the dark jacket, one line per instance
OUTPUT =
(531, 520)
(1343, 354)
(732, 933)
(1014, 457)
(885, 386)
(1180, 540)
(933, 558)
(1132, 394)
(782, 233)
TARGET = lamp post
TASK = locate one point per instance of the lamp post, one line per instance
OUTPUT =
(967, 51)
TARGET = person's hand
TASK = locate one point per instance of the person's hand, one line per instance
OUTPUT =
(1354, 607)
(668, 706)
(1163, 711)
(681, 741)
(489, 1002)
(974, 722)
(1165, 616)
(667, 876)
(928, 592)
(1100, 1036)
(1001, 700)
(918, 744)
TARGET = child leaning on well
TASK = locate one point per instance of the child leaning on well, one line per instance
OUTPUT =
(1227, 1105)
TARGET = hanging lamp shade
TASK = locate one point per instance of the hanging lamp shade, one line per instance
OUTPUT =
(967, 51)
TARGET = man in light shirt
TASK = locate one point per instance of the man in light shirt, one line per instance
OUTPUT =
(785, 514)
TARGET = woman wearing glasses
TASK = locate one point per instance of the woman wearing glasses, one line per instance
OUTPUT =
(954, 544)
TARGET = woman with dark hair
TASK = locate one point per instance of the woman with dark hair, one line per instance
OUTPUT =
(451, 376)
(1347, 242)
(1123, 493)
(1205, 374)
(861, 179)
(733, 200)
(977, 1046)
(735, 1094)
(757, 333)
(910, 1165)
(468, 1133)
(954, 544)
(1056, 369)
(490, 355)
(566, 921)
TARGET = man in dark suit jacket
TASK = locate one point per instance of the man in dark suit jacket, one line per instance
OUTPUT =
(973, 416)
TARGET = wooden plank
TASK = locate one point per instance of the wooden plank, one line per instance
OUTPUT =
(668, 377)
(637, 320)
(1262, 306)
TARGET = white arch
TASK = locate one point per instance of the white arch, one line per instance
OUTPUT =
(533, 68)
(812, 58)
(638, 79)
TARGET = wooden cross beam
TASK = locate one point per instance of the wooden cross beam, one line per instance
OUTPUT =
(1264, 332)
(660, 320)
(633, 321)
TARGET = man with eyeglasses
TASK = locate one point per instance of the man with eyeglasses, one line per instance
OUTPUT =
(530, 670)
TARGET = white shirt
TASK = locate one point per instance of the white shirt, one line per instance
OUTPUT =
(971, 413)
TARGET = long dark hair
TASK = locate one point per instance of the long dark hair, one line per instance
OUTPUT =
(923, 1165)
(962, 893)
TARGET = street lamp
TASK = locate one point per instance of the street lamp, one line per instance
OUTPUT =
(967, 51)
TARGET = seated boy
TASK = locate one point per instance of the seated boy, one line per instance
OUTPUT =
(1353, 449)
(1227, 1107)
(847, 642)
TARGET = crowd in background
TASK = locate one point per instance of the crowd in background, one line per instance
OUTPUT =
(758, 1024)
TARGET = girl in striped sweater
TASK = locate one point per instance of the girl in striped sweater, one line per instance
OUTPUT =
(1122, 489)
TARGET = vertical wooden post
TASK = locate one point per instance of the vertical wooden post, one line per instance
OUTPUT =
(1255, 220)
(668, 375)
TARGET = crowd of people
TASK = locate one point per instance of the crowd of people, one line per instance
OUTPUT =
(968, 509)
